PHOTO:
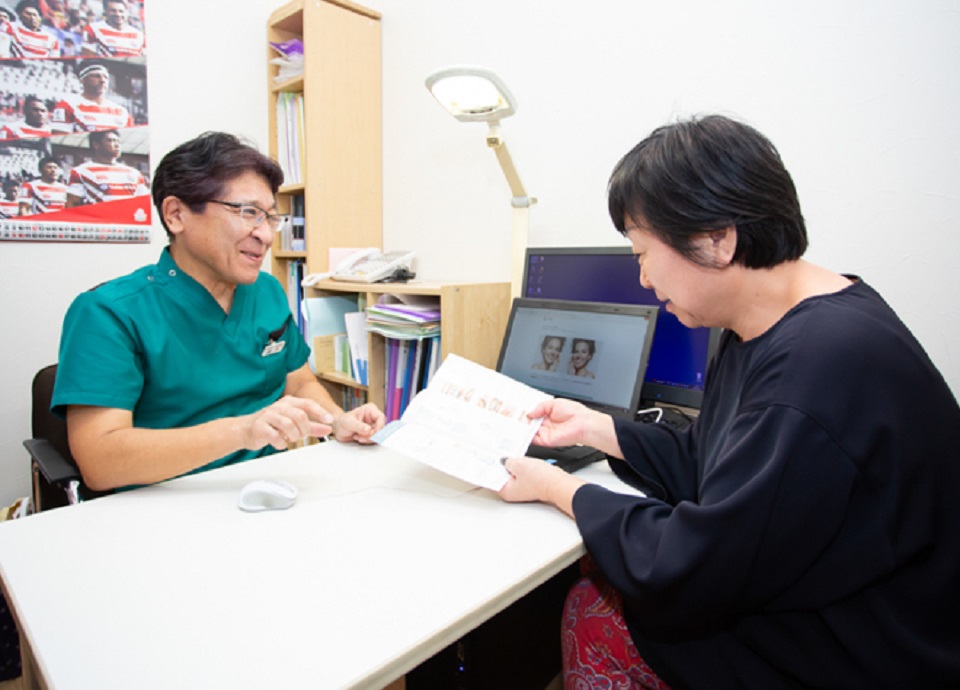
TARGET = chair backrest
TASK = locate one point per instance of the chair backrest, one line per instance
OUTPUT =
(53, 429)
(45, 424)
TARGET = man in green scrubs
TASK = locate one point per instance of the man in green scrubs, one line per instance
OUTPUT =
(195, 362)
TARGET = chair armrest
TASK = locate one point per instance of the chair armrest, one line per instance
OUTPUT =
(55, 468)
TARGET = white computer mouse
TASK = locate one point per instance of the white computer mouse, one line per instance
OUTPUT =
(267, 494)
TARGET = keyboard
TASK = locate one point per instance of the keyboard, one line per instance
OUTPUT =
(568, 458)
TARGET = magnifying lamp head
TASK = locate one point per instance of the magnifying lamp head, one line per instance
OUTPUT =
(472, 94)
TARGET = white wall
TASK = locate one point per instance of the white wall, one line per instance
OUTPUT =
(198, 79)
(862, 98)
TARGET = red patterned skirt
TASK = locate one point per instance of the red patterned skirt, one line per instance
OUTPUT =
(598, 653)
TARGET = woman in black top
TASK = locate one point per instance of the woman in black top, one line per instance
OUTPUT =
(804, 532)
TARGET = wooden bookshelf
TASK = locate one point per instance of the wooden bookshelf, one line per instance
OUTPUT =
(342, 148)
(472, 323)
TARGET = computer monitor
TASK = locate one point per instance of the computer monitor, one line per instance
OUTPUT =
(678, 360)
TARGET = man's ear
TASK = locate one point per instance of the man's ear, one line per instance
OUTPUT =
(718, 246)
(173, 211)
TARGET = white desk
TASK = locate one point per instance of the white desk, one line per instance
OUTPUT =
(381, 563)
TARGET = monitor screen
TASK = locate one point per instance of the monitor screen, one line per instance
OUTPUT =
(678, 360)
(591, 352)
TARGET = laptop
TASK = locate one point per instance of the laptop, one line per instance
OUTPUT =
(593, 352)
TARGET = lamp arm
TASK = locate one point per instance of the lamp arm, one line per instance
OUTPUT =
(499, 146)
(518, 246)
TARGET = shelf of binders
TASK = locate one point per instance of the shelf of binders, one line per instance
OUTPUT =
(472, 319)
(410, 326)
(325, 126)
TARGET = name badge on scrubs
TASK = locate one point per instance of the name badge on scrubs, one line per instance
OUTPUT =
(273, 348)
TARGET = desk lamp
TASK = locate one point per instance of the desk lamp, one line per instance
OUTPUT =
(475, 94)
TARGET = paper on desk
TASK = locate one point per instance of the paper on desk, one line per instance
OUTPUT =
(465, 421)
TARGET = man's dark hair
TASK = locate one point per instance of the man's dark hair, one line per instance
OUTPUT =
(197, 171)
(99, 136)
(706, 174)
(46, 159)
(24, 4)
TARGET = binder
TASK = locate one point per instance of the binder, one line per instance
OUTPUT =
(403, 355)
(434, 360)
(391, 350)
(323, 321)
(295, 295)
(407, 392)
(356, 323)
(414, 387)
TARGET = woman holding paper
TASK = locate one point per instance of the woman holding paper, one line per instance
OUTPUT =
(800, 534)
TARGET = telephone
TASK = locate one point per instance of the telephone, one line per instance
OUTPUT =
(369, 265)
(364, 266)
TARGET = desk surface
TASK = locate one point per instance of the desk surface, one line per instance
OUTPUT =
(381, 563)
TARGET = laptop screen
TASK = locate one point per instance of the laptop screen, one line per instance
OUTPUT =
(592, 352)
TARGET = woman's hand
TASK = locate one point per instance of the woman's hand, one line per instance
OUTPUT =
(535, 480)
(564, 422)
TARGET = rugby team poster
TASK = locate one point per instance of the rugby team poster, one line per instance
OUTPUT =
(74, 144)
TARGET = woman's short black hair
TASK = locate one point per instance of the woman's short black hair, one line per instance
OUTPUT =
(197, 171)
(706, 174)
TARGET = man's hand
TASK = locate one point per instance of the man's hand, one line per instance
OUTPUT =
(286, 421)
(359, 424)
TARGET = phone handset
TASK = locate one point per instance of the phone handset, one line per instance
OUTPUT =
(345, 265)
(371, 267)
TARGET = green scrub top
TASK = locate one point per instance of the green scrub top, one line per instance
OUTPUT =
(157, 343)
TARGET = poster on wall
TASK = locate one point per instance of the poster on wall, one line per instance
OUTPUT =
(74, 130)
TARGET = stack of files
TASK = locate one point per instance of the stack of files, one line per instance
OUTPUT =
(405, 316)
(298, 223)
(293, 232)
(290, 136)
(289, 62)
(409, 366)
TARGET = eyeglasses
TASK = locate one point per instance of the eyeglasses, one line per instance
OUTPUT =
(253, 215)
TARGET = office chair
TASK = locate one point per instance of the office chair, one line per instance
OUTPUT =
(55, 476)
(56, 483)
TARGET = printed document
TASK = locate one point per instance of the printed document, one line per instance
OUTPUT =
(465, 421)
